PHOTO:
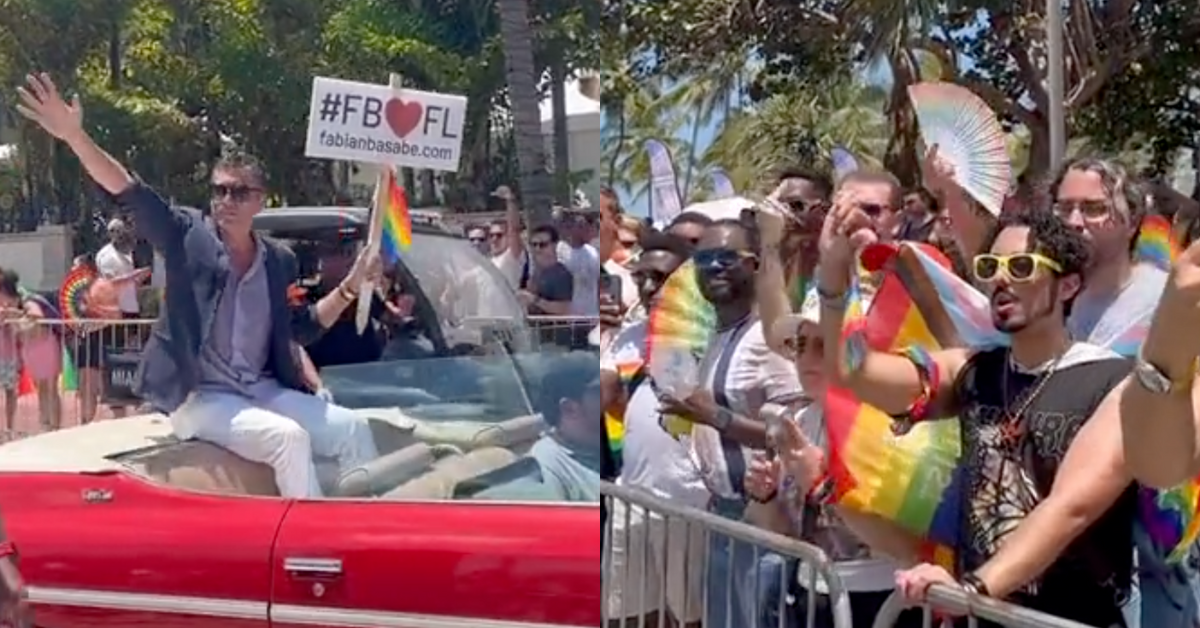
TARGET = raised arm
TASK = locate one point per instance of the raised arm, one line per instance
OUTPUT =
(1091, 478)
(771, 285)
(1160, 420)
(161, 225)
(889, 382)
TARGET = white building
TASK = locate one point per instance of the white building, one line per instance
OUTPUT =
(584, 122)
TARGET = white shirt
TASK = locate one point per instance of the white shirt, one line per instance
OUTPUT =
(756, 376)
(584, 265)
(114, 264)
(652, 460)
(512, 266)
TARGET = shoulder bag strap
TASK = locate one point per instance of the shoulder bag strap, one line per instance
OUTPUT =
(735, 459)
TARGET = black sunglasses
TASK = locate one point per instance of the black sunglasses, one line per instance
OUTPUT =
(717, 260)
(236, 193)
(540, 244)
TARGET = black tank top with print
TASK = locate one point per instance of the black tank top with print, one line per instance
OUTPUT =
(1006, 477)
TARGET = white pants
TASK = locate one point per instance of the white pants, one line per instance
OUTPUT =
(655, 561)
(279, 427)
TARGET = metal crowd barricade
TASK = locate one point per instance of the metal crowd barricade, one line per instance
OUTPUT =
(63, 373)
(655, 569)
(955, 602)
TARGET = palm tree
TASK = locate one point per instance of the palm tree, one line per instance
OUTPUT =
(524, 101)
(644, 113)
(704, 96)
(801, 124)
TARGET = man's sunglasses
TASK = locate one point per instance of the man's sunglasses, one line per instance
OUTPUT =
(496, 235)
(237, 193)
(1019, 268)
(477, 240)
(716, 260)
(540, 244)
(874, 210)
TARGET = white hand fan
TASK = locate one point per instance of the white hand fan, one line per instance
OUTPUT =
(674, 372)
(968, 137)
(843, 162)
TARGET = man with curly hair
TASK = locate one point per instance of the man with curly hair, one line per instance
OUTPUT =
(1048, 504)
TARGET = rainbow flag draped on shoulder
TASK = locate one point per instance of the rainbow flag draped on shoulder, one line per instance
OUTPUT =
(914, 479)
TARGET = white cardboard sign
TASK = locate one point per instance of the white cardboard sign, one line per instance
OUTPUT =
(373, 123)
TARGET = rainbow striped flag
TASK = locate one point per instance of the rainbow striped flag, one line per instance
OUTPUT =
(397, 222)
(614, 417)
(911, 479)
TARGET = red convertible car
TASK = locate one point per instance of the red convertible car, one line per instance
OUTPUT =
(118, 523)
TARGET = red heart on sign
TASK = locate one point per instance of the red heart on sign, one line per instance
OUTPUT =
(402, 116)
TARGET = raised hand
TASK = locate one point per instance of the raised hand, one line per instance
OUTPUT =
(802, 461)
(846, 230)
(762, 477)
(42, 104)
(1172, 343)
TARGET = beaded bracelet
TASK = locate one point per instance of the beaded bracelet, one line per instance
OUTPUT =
(931, 378)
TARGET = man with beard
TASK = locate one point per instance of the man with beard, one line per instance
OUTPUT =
(652, 461)
(1048, 504)
(738, 374)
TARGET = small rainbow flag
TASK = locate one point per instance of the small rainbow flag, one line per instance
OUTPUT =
(1155, 243)
(397, 222)
(614, 417)
(910, 479)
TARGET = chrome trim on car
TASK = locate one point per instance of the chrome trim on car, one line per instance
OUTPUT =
(165, 604)
(325, 616)
(243, 609)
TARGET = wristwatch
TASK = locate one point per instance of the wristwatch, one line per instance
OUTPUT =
(1154, 380)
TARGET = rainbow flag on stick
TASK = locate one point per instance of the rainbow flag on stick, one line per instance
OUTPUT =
(1155, 243)
(911, 479)
(397, 222)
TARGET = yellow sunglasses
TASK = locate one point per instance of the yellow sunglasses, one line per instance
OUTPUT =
(1018, 268)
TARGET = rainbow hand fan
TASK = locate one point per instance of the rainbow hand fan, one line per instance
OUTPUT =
(1155, 244)
(681, 325)
(72, 296)
(968, 137)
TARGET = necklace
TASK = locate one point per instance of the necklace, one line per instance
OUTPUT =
(1012, 426)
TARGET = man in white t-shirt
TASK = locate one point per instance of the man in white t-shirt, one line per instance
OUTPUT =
(583, 261)
(738, 375)
(505, 244)
(652, 461)
(114, 261)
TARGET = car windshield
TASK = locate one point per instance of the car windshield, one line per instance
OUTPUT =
(465, 287)
(520, 427)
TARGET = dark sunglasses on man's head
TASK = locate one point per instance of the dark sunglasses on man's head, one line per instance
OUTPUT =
(719, 259)
(236, 193)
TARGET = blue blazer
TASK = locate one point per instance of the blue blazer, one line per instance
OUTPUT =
(197, 266)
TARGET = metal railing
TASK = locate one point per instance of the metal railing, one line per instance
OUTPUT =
(666, 564)
(57, 373)
(950, 601)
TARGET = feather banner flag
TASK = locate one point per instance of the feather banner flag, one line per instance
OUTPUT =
(910, 479)
(664, 185)
(722, 187)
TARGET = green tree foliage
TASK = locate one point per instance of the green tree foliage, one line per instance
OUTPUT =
(1130, 65)
(165, 83)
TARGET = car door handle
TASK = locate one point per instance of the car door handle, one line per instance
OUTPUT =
(319, 567)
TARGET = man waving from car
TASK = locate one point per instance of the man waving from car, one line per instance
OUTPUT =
(222, 359)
